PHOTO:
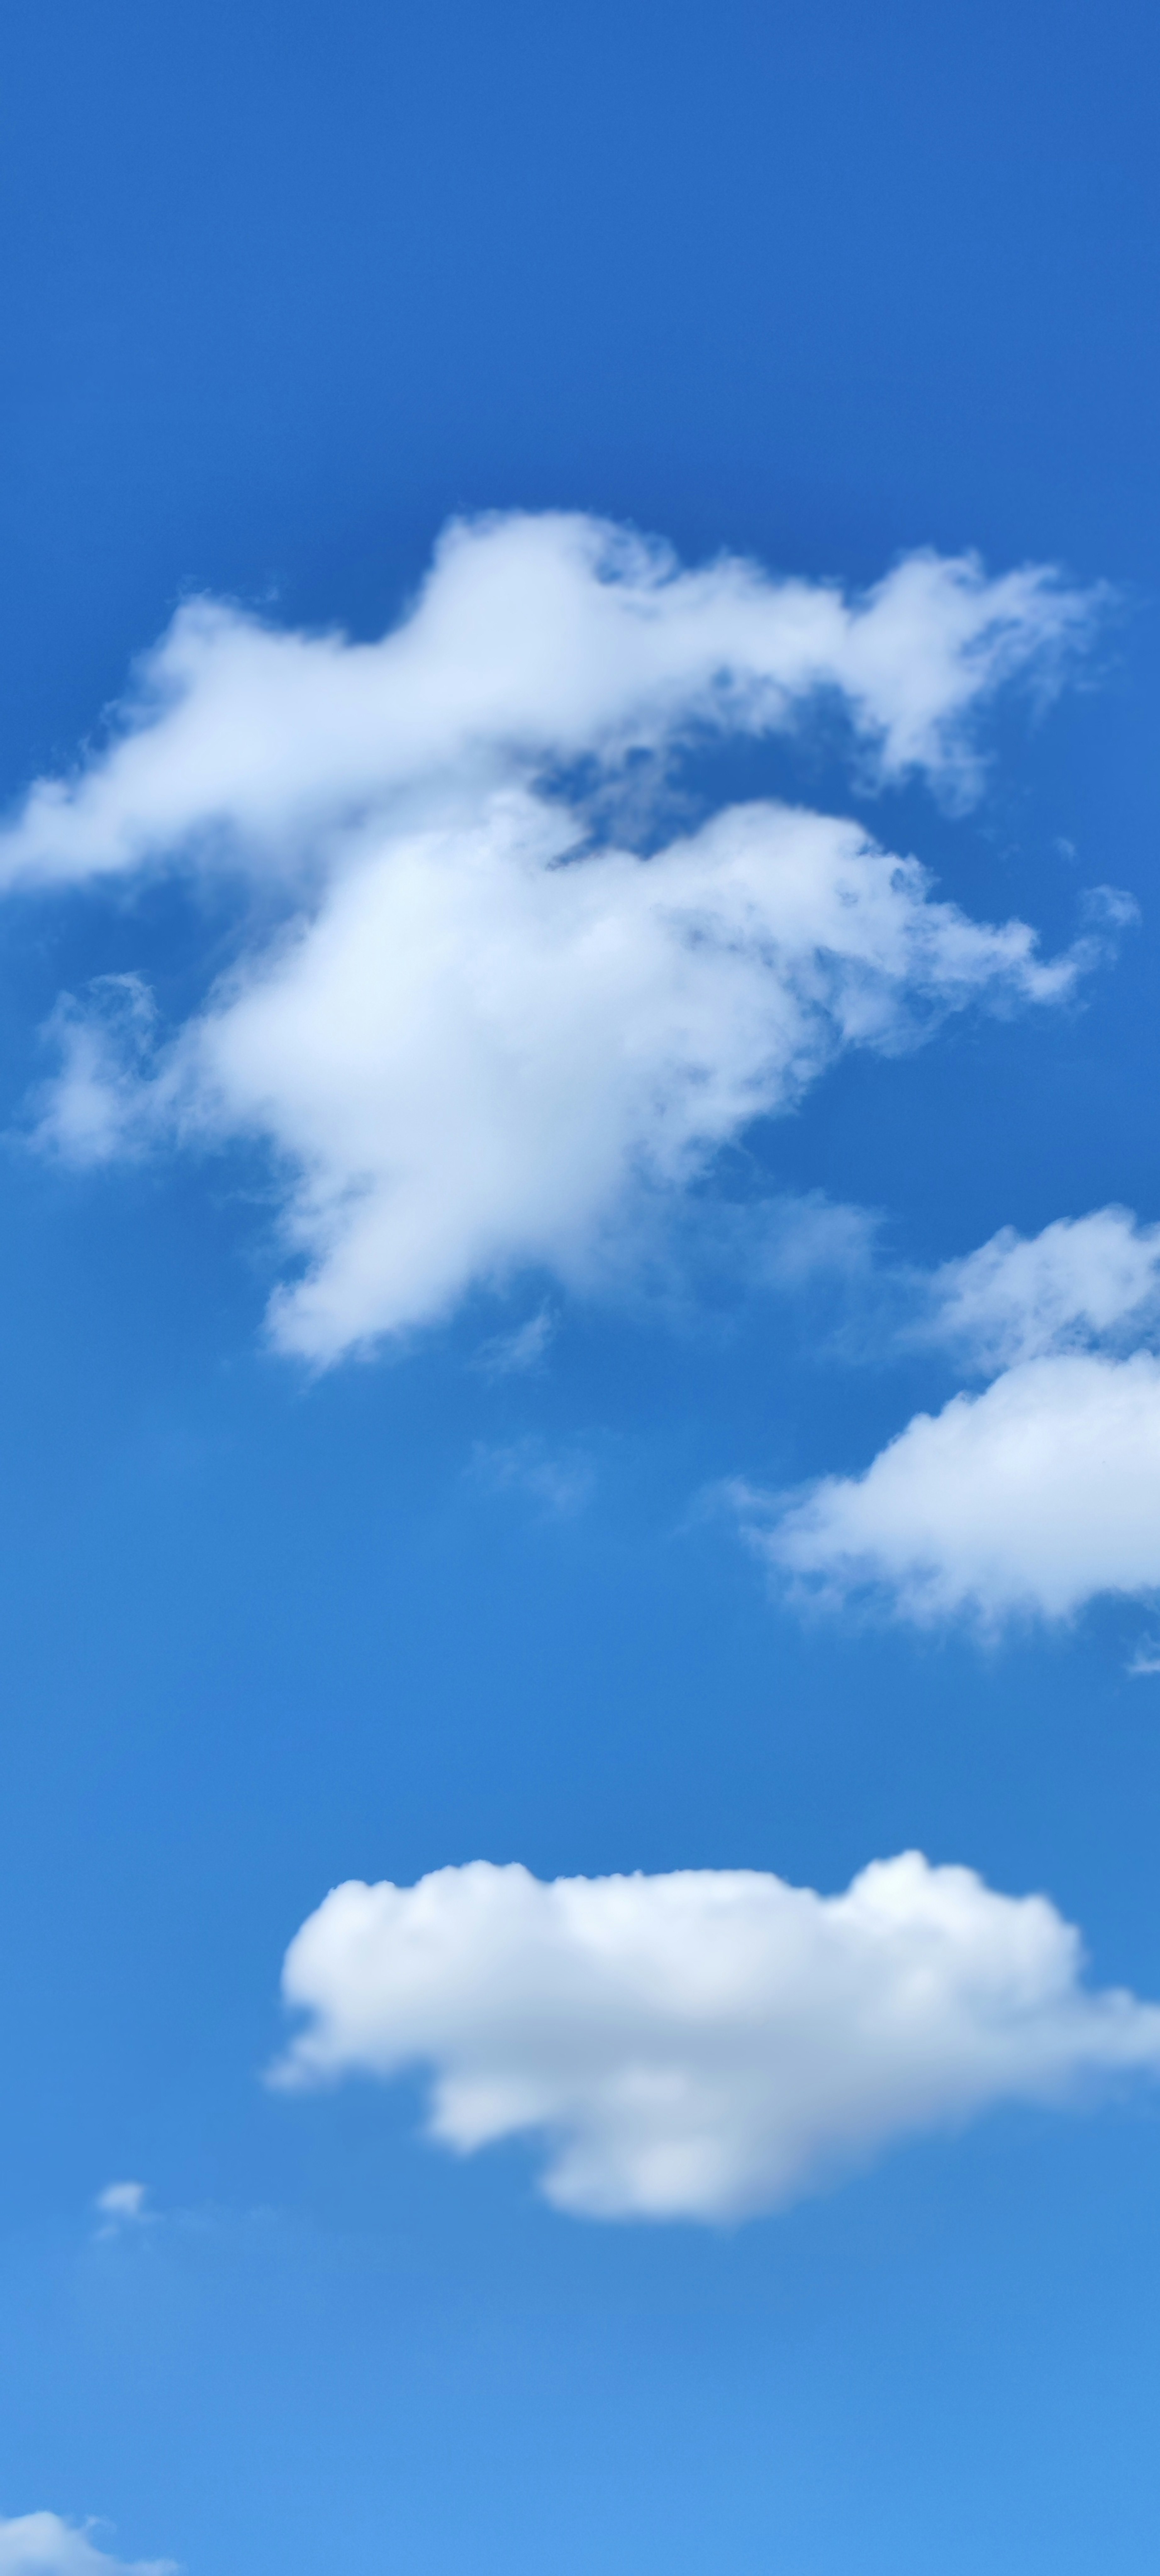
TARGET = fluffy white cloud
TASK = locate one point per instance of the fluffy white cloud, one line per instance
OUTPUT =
(1031, 1497)
(40, 2544)
(535, 639)
(1018, 1298)
(710, 2043)
(476, 1031)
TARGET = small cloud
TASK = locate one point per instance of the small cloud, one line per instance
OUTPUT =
(92, 1110)
(42, 2544)
(1081, 1281)
(731, 1498)
(121, 2205)
(1145, 1660)
(560, 1484)
(510, 1353)
(809, 1237)
(1029, 1500)
(1109, 907)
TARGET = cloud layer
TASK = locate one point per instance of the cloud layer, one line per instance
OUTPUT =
(707, 2044)
(479, 1030)
(1033, 1496)
(40, 2544)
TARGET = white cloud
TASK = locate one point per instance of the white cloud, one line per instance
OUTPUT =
(1019, 1298)
(40, 2544)
(535, 639)
(710, 2043)
(477, 1032)
(1032, 1497)
(123, 2204)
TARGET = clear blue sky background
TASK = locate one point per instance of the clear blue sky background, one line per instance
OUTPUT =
(284, 287)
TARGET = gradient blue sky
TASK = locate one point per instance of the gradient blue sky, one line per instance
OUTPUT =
(284, 289)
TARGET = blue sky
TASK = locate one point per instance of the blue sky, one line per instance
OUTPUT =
(558, 1311)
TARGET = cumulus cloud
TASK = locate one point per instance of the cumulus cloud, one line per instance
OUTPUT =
(479, 1026)
(40, 2544)
(710, 2043)
(1018, 1298)
(1029, 1498)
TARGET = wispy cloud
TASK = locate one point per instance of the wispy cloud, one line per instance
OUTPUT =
(1081, 1281)
(123, 2205)
(559, 1481)
(515, 1354)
